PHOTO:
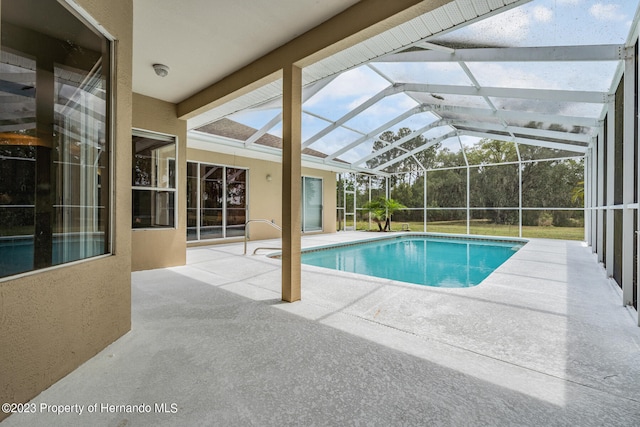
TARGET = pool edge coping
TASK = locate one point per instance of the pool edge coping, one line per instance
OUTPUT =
(501, 239)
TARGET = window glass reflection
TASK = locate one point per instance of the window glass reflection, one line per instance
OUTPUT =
(54, 166)
(154, 180)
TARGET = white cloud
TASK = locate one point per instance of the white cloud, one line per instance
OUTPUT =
(569, 2)
(382, 112)
(352, 84)
(542, 14)
(606, 12)
(358, 101)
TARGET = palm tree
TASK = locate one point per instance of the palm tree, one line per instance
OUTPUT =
(577, 193)
(376, 210)
(381, 209)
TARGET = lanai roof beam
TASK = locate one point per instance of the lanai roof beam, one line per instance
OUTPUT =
(608, 52)
(377, 131)
(592, 97)
(516, 115)
(429, 143)
(396, 144)
(534, 132)
(526, 141)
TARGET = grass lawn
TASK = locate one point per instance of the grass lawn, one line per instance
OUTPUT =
(488, 229)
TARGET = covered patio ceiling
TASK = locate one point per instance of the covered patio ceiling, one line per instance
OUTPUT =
(541, 73)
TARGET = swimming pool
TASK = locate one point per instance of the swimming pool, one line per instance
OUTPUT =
(421, 259)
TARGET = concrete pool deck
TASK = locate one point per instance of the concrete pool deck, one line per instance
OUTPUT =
(544, 341)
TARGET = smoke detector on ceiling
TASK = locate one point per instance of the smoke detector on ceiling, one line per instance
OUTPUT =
(161, 70)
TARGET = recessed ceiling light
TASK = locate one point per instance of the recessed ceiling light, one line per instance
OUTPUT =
(161, 70)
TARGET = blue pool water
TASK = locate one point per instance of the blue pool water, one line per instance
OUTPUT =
(423, 260)
(16, 252)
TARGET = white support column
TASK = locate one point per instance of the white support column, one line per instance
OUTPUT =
(596, 227)
(424, 200)
(601, 200)
(587, 198)
(369, 201)
(387, 190)
(610, 184)
(344, 201)
(466, 163)
(628, 183)
(468, 200)
(637, 231)
(198, 203)
(519, 190)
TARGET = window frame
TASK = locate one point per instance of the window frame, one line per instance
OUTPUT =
(224, 207)
(159, 136)
(110, 82)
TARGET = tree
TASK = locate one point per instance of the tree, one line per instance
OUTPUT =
(551, 178)
(381, 209)
(376, 209)
(577, 193)
(411, 164)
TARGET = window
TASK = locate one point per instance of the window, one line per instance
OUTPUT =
(311, 204)
(54, 137)
(216, 201)
(154, 180)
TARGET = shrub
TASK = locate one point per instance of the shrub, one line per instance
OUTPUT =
(545, 219)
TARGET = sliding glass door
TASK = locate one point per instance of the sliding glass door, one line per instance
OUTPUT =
(216, 201)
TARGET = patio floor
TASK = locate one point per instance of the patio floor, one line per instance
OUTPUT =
(544, 341)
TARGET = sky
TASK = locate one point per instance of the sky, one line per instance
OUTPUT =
(537, 23)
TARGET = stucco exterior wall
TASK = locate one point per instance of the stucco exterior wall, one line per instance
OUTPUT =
(53, 320)
(157, 248)
(265, 196)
